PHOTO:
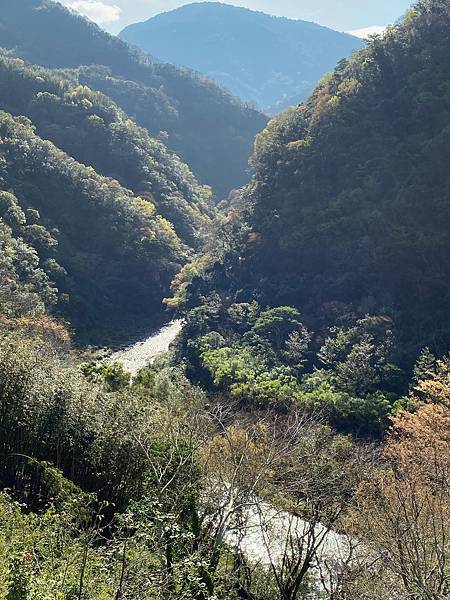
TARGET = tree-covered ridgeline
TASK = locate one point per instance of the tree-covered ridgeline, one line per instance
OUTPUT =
(348, 210)
(327, 278)
(271, 61)
(92, 129)
(209, 129)
(349, 204)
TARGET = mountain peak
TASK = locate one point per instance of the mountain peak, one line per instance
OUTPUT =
(272, 61)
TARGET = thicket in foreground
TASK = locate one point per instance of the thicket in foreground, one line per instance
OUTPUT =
(154, 490)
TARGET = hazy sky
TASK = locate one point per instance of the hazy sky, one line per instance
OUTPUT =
(343, 15)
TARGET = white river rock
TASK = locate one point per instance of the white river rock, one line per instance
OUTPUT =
(139, 355)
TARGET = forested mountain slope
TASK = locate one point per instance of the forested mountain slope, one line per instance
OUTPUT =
(348, 213)
(271, 61)
(92, 129)
(275, 451)
(209, 129)
(26, 289)
(108, 253)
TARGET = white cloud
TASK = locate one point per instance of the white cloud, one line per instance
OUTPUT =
(96, 11)
(366, 31)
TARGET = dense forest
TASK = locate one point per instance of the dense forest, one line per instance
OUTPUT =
(147, 217)
(209, 129)
(110, 254)
(271, 61)
(294, 443)
(91, 128)
(347, 213)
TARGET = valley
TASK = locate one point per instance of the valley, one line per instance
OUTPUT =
(224, 336)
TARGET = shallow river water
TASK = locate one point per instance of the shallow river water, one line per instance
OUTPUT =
(266, 528)
(139, 355)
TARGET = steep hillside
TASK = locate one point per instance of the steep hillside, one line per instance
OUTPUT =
(108, 253)
(93, 130)
(349, 210)
(271, 61)
(209, 129)
(25, 289)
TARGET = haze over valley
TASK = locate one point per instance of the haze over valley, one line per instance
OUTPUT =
(273, 62)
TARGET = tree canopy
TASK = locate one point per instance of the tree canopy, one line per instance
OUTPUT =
(348, 208)
(105, 249)
(208, 128)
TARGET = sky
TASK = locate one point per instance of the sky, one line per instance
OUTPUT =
(360, 17)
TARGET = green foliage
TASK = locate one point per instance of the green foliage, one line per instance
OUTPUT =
(25, 289)
(349, 205)
(113, 375)
(425, 366)
(10, 211)
(276, 325)
(51, 411)
(249, 378)
(93, 130)
(275, 388)
(111, 253)
(367, 415)
(360, 358)
(209, 129)
(229, 366)
(269, 359)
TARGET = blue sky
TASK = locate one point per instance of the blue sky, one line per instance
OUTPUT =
(343, 15)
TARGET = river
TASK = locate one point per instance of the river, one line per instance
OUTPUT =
(142, 353)
(267, 530)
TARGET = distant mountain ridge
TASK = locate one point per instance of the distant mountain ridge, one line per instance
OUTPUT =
(272, 61)
(209, 129)
(97, 215)
(349, 206)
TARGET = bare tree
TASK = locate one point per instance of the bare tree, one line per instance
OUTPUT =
(277, 488)
(403, 514)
